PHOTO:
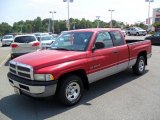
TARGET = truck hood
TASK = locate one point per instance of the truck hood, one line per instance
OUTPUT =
(45, 58)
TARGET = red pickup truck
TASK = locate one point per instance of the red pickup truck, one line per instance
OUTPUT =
(76, 59)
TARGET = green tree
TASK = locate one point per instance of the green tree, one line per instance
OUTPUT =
(156, 24)
(141, 25)
(5, 28)
(37, 23)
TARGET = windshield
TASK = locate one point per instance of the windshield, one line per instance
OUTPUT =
(74, 41)
(37, 34)
(47, 38)
(157, 34)
(8, 37)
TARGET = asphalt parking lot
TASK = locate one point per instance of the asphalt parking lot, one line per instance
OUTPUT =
(123, 96)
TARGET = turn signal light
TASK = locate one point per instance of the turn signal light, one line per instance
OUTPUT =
(36, 44)
(14, 45)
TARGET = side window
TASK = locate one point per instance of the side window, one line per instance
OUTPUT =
(157, 34)
(117, 37)
(105, 38)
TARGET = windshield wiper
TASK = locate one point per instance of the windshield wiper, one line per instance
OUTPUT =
(52, 48)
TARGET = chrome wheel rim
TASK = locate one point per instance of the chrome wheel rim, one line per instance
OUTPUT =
(72, 91)
(141, 65)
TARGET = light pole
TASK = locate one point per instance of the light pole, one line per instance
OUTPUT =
(111, 25)
(74, 25)
(68, 23)
(97, 21)
(52, 12)
(149, 1)
(49, 26)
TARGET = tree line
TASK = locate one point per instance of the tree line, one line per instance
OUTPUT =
(39, 25)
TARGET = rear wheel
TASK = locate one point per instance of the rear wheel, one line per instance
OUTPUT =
(71, 90)
(139, 67)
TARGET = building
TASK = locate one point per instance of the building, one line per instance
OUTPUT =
(156, 15)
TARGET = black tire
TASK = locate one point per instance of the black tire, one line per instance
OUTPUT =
(70, 90)
(139, 67)
(129, 34)
(137, 34)
(12, 57)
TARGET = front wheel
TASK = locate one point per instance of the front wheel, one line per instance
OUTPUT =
(129, 34)
(139, 67)
(137, 34)
(71, 90)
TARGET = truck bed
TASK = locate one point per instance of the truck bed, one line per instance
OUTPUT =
(137, 46)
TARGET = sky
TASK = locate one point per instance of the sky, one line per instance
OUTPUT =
(127, 11)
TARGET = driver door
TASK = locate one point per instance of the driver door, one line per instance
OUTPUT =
(102, 61)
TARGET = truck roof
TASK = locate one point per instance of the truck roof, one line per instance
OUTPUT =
(94, 29)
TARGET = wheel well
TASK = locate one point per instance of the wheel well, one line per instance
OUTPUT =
(144, 54)
(80, 73)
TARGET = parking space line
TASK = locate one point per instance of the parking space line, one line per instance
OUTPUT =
(5, 60)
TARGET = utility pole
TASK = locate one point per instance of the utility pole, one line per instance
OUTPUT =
(149, 2)
(111, 25)
(68, 1)
(52, 12)
(97, 21)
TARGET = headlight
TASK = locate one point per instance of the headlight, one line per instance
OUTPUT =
(43, 77)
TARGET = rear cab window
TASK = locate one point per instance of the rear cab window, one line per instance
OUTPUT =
(117, 38)
(24, 39)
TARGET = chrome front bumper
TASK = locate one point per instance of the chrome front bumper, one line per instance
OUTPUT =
(31, 87)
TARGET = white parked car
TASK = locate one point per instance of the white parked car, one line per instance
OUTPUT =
(7, 40)
(23, 44)
(136, 31)
(39, 35)
(46, 41)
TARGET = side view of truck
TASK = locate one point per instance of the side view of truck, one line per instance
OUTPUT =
(76, 59)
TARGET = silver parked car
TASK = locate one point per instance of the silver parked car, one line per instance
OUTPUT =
(46, 41)
(23, 44)
(7, 40)
(136, 31)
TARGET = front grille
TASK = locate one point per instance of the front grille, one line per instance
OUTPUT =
(24, 75)
(13, 71)
(13, 66)
(21, 70)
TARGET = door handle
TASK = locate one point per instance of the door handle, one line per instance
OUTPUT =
(115, 52)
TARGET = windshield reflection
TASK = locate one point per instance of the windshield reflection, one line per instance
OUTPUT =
(74, 41)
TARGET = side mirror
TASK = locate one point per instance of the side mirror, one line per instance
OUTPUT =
(99, 45)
